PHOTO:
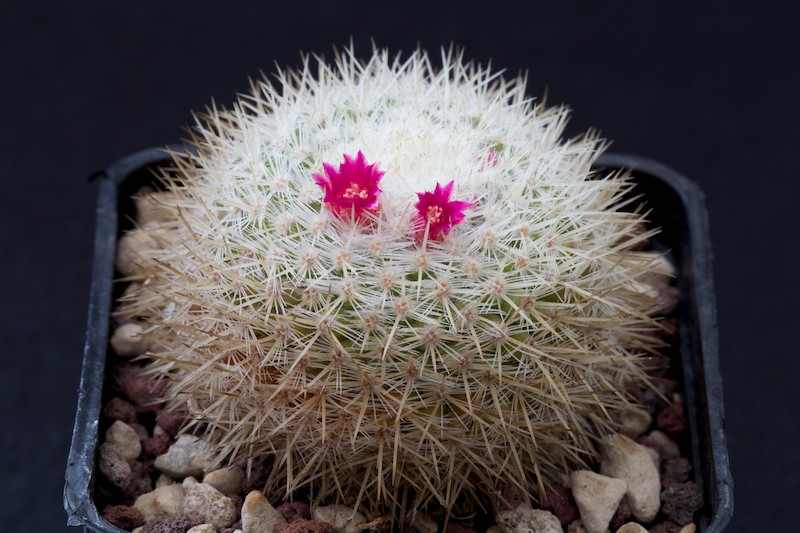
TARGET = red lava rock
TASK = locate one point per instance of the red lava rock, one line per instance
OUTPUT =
(558, 500)
(622, 516)
(455, 527)
(150, 466)
(680, 501)
(171, 421)
(670, 328)
(144, 392)
(511, 496)
(667, 331)
(123, 516)
(257, 477)
(301, 525)
(675, 470)
(169, 525)
(665, 527)
(647, 440)
(238, 501)
(119, 409)
(140, 430)
(292, 511)
(234, 527)
(670, 296)
(122, 369)
(652, 400)
(666, 386)
(672, 419)
(140, 483)
(156, 445)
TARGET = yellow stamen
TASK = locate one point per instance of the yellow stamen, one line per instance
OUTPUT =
(355, 190)
(434, 214)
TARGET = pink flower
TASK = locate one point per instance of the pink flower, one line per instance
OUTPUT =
(491, 158)
(437, 213)
(353, 189)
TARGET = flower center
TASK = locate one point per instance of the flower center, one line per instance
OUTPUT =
(355, 190)
(434, 214)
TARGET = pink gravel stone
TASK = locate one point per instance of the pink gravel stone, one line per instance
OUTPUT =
(680, 501)
(511, 496)
(672, 419)
(123, 516)
(558, 500)
(144, 392)
(292, 511)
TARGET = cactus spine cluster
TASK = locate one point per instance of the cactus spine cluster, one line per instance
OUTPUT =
(374, 361)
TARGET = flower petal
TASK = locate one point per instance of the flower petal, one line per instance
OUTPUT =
(353, 188)
(436, 213)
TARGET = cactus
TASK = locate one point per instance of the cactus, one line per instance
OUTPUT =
(397, 282)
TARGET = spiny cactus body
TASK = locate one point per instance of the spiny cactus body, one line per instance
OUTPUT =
(468, 315)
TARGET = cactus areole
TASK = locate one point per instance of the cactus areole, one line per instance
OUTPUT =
(397, 283)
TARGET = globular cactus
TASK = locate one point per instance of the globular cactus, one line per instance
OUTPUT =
(397, 282)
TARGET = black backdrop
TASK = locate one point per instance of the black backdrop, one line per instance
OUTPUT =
(708, 89)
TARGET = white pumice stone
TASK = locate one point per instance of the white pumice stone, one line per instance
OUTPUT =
(631, 527)
(597, 497)
(622, 458)
(227, 480)
(258, 516)
(524, 518)
(343, 519)
(204, 502)
(113, 466)
(188, 456)
(129, 340)
(160, 503)
(125, 439)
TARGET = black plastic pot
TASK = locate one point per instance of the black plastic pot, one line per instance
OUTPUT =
(677, 207)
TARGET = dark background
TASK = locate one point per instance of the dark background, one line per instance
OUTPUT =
(710, 90)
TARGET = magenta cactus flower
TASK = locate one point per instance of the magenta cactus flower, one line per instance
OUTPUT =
(353, 189)
(437, 214)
